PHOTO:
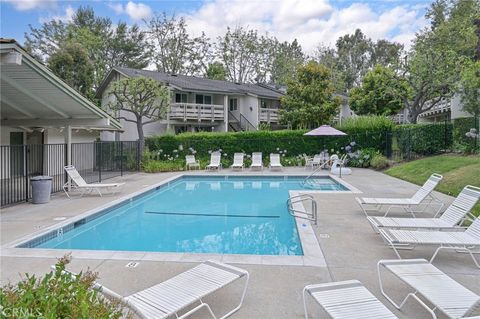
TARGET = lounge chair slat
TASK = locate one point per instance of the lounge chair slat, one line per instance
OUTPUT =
(443, 292)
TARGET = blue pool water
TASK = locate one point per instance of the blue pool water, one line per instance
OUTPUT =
(231, 215)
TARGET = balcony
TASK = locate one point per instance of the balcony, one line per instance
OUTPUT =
(196, 112)
(268, 115)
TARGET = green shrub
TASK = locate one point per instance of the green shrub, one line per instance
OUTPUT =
(361, 124)
(379, 162)
(422, 139)
(57, 295)
(155, 166)
(464, 143)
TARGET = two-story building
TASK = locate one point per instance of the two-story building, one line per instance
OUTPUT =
(199, 104)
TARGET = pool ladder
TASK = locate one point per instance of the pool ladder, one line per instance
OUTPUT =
(310, 181)
(304, 214)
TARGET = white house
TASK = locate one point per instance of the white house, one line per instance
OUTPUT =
(199, 104)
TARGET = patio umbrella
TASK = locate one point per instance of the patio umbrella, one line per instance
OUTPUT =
(325, 130)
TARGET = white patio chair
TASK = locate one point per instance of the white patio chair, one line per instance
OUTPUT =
(314, 162)
(459, 241)
(445, 294)
(191, 162)
(275, 162)
(84, 187)
(453, 217)
(423, 196)
(346, 299)
(215, 162)
(173, 296)
(238, 161)
(257, 161)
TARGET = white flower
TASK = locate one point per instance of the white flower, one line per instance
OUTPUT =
(220, 150)
(180, 147)
(225, 154)
(209, 152)
(160, 150)
(284, 151)
(248, 156)
(175, 151)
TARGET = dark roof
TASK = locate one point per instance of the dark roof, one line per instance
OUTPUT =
(193, 83)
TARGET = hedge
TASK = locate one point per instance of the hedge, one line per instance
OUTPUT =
(463, 125)
(291, 141)
(422, 139)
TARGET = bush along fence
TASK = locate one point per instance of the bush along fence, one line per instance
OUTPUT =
(466, 134)
(168, 152)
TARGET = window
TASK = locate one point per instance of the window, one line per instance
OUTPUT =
(181, 98)
(233, 104)
(203, 99)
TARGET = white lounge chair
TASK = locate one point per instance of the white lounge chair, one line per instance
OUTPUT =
(346, 299)
(215, 162)
(80, 184)
(257, 161)
(238, 161)
(275, 162)
(453, 217)
(191, 162)
(422, 196)
(454, 240)
(171, 297)
(445, 294)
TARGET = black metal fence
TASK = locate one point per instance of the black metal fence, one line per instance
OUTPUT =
(95, 162)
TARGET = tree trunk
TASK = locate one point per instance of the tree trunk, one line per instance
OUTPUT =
(141, 136)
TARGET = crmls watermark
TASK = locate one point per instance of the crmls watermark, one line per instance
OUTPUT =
(14, 312)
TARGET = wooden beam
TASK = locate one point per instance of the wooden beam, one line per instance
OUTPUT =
(55, 122)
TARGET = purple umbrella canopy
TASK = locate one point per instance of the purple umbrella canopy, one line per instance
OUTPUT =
(325, 130)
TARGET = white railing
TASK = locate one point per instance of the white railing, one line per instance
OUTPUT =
(192, 111)
(268, 115)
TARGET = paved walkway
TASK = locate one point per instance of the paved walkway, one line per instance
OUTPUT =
(350, 247)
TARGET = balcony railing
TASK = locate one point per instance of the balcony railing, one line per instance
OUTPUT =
(198, 112)
(268, 115)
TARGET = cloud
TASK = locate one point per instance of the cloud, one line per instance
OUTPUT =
(67, 16)
(310, 21)
(24, 5)
(136, 11)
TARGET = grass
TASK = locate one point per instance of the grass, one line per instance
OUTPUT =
(458, 171)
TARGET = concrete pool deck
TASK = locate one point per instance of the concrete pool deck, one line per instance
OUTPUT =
(350, 248)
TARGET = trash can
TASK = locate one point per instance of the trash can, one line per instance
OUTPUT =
(41, 189)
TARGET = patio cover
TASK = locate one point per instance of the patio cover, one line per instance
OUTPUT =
(32, 96)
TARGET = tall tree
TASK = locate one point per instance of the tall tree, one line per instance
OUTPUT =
(309, 101)
(71, 63)
(106, 44)
(175, 51)
(470, 88)
(433, 65)
(139, 100)
(239, 51)
(380, 93)
(215, 71)
(286, 58)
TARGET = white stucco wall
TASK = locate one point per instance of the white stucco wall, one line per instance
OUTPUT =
(456, 108)
(249, 108)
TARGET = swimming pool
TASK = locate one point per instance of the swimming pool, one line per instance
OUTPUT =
(199, 214)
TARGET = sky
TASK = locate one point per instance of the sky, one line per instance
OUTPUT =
(311, 22)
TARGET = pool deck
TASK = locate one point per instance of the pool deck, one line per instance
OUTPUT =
(349, 246)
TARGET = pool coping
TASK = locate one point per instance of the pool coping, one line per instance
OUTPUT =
(312, 253)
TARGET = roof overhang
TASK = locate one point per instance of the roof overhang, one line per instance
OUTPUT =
(32, 96)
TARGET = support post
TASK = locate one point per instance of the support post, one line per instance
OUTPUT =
(225, 112)
(68, 144)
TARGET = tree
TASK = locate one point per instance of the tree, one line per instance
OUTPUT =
(309, 101)
(215, 71)
(139, 100)
(286, 58)
(174, 50)
(107, 45)
(470, 88)
(239, 51)
(71, 63)
(380, 93)
(433, 65)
